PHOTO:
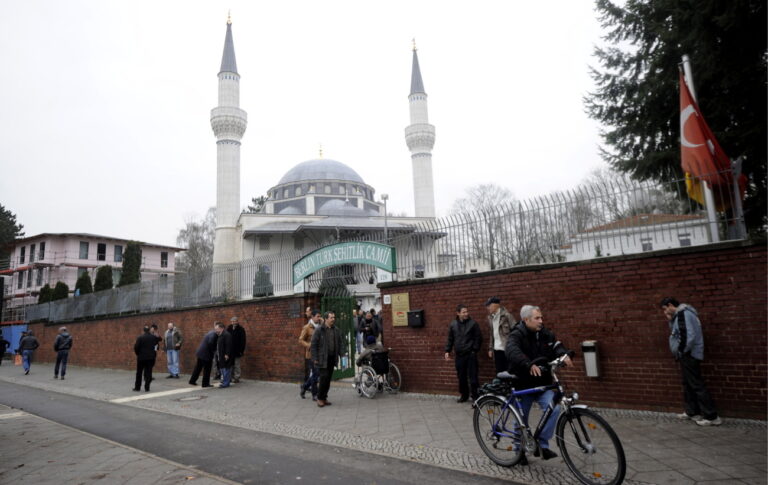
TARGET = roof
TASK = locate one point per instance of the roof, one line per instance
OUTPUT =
(641, 220)
(336, 207)
(228, 61)
(373, 223)
(417, 85)
(320, 169)
(92, 236)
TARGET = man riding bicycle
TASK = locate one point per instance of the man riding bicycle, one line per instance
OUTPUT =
(527, 342)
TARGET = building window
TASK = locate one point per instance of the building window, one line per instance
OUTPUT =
(39, 277)
(298, 243)
(163, 259)
(31, 253)
(116, 274)
(20, 283)
(647, 244)
(29, 278)
(327, 188)
(419, 270)
(118, 253)
(685, 239)
(22, 255)
(285, 194)
(298, 191)
(101, 252)
(83, 250)
(42, 251)
(311, 189)
(263, 243)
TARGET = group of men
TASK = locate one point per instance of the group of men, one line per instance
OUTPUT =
(222, 347)
(323, 347)
(514, 346)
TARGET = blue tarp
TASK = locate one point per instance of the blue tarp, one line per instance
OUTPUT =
(12, 333)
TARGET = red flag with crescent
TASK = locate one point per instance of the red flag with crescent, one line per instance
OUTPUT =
(702, 157)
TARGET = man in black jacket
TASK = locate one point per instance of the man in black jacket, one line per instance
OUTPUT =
(225, 348)
(238, 346)
(205, 353)
(61, 346)
(327, 346)
(465, 339)
(144, 348)
(528, 341)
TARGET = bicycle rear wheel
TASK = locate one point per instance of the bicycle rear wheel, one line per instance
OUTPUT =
(368, 382)
(591, 448)
(393, 378)
(498, 431)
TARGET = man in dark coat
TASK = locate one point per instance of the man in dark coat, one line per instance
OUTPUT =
(327, 345)
(4, 344)
(61, 346)
(528, 341)
(144, 348)
(205, 354)
(465, 339)
(27, 347)
(226, 358)
(238, 346)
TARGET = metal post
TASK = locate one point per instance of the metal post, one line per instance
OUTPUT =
(385, 197)
(741, 230)
(709, 200)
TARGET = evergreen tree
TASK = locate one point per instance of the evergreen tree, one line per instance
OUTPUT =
(131, 264)
(60, 291)
(257, 204)
(262, 282)
(637, 95)
(103, 278)
(9, 229)
(46, 294)
(83, 284)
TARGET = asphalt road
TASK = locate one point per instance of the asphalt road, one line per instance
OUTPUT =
(234, 453)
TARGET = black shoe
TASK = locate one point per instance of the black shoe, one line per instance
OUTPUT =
(546, 453)
(523, 461)
(170, 376)
(207, 385)
(192, 383)
(55, 377)
(26, 372)
(176, 376)
(135, 389)
(62, 378)
(462, 399)
(146, 390)
(302, 393)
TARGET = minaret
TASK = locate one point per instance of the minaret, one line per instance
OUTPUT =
(228, 122)
(420, 138)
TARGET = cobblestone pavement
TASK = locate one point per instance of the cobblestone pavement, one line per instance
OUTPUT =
(37, 451)
(431, 429)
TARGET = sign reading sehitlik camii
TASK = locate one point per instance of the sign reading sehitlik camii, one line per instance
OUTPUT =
(375, 254)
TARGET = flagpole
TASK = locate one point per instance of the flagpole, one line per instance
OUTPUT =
(709, 200)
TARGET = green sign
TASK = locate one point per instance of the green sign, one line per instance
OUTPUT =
(375, 254)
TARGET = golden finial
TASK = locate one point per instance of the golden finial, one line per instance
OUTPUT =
(414, 43)
(321, 150)
(229, 17)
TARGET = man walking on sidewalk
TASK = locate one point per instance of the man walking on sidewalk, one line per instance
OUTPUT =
(27, 347)
(173, 339)
(61, 346)
(465, 339)
(686, 341)
(326, 347)
(238, 346)
(226, 359)
(205, 355)
(144, 348)
(310, 371)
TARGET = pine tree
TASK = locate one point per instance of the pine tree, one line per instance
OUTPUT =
(637, 95)
(83, 284)
(103, 279)
(131, 264)
(60, 291)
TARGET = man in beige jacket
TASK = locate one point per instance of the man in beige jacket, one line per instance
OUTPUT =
(310, 371)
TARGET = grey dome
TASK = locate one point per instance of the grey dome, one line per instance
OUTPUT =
(320, 169)
(336, 207)
(290, 210)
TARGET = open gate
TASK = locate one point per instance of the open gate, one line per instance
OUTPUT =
(342, 306)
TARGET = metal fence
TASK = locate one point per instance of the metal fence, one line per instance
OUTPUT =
(601, 219)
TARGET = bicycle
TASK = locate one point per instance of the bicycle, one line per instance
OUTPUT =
(378, 374)
(587, 443)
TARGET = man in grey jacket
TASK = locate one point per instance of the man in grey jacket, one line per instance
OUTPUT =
(61, 346)
(686, 342)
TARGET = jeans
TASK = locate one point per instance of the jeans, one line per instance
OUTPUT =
(226, 376)
(26, 357)
(61, 362)
(173, 361)
(543, 400)
(311, 381)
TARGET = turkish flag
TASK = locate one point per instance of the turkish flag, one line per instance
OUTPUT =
(702, 157)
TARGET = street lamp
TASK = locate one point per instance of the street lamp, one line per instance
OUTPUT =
(385, 197)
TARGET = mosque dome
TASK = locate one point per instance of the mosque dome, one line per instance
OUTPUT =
(336, 207)
(320, 169)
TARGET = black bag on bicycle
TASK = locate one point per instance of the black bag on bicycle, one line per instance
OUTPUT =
(497, 387)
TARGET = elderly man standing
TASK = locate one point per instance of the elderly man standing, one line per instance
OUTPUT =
(327, 345)
(61, 346)
(173, 340)
(501, 322)
(238, 347)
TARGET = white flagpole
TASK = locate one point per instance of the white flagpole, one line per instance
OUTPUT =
(709, 200)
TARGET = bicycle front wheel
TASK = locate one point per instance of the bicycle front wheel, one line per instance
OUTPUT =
(393, 378)
(498, 431)
(591, 448)
(368, 382)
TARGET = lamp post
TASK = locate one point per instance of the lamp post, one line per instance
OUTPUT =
(385, 197)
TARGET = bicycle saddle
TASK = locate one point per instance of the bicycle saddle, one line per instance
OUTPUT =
(506, 375)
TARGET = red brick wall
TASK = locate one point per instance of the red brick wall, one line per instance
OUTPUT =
(614, 301)
(272, 349)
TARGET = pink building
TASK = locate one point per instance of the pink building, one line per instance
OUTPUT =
(48, 258)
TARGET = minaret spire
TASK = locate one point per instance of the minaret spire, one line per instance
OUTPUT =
(420, 138)
(228, 122)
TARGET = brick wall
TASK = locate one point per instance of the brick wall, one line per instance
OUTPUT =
(614, 301)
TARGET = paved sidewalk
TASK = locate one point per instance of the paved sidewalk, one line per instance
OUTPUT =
(41, 452)
(428, 429)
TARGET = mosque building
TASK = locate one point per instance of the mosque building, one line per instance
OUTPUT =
(317, 201)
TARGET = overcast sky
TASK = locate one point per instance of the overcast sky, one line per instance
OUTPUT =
(104, 120)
